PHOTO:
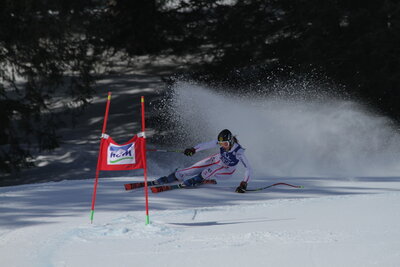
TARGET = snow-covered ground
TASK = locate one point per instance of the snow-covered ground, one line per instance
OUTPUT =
(347, 214)
(331, 222)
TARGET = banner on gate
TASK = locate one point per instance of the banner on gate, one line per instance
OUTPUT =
(118, 157)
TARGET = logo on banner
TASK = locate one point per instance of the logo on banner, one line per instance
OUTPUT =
(118, 155)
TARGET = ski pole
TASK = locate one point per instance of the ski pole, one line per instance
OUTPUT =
(164, 150)
(262, 188)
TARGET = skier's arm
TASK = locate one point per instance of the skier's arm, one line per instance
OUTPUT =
(249, 170)
(248, 174)
(202, 146)
(206, 145)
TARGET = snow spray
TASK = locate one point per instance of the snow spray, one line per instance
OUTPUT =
(286, 135)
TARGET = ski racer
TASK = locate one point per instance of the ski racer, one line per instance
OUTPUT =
(222, 164)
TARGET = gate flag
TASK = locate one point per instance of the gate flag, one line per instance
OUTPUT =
(121, 157)
(115, 157)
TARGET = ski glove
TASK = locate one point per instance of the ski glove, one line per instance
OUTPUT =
(189, 151)
(242, 187)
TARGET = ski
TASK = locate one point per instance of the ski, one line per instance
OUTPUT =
(262, 188)
(212, 181)
(137, 185)
(162, 188)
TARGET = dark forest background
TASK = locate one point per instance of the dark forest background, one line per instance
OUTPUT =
(49, 51)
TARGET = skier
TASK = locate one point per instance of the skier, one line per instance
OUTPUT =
(222, 164)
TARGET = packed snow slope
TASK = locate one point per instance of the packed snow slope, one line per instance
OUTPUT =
(347, 214)
(331, 222)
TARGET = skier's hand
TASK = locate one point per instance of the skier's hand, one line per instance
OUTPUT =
(242, 187)
(189, 151)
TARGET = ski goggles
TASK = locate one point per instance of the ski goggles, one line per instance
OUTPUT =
(223, 143)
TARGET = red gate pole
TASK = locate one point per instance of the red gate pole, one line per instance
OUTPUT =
(96, 181)
(145, 162)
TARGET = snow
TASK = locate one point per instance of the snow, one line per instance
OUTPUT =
(330, 222)
(347, 214)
